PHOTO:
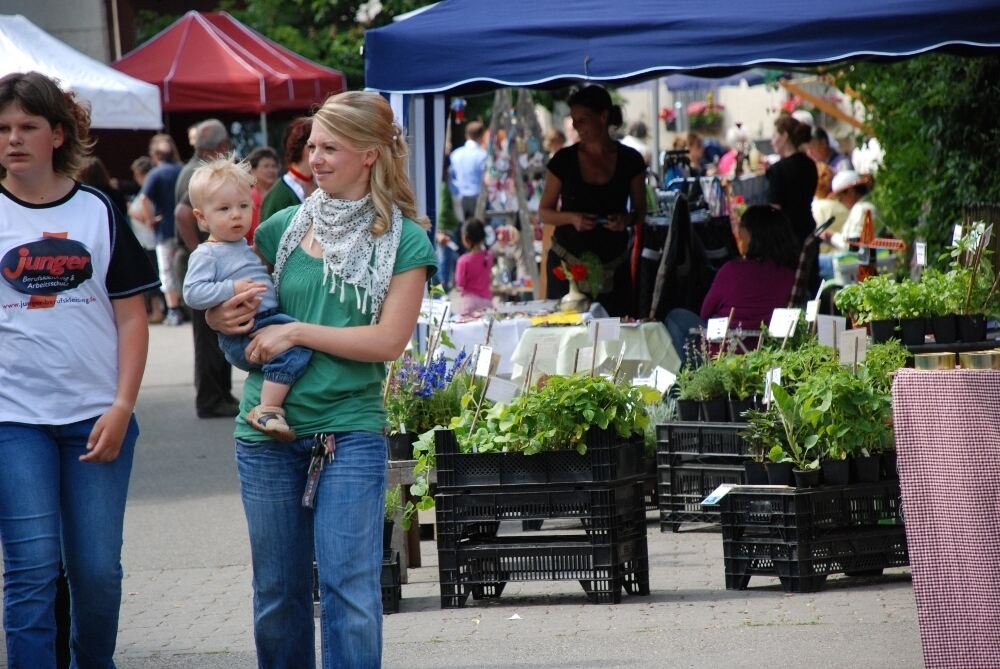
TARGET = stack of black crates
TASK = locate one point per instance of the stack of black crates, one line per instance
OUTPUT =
(602, 489)
(802, 535)
(693, 459)
(392, 590)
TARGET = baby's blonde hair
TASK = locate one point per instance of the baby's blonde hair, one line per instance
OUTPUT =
(214, 174)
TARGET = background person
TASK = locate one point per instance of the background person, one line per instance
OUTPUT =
(821, 151)
(351, 265)
(752, 286)
(264, 168)
(852, 190)
(65, 457)
(596, 177)
(791, 184)
(474, 271)
(297, 183)
(466, 172)
(213, 375)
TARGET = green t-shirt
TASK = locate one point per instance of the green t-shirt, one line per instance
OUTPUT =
(280, 196)
(334, 394)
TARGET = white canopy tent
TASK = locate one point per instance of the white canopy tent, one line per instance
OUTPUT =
(117, 101)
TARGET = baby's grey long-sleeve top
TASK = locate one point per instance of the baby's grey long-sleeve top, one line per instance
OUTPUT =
(214, 267)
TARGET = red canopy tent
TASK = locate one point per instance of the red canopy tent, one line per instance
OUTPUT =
(211, 61)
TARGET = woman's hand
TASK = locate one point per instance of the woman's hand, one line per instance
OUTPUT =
(584, 222)
(270, 341)
(617, 222)
(235, 315)
(105, 440)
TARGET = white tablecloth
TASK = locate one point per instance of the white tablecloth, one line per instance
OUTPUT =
(503, 339)
(646, 346)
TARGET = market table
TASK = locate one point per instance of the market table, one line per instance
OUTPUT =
(647, 345)
(947, 429)
(504, 338)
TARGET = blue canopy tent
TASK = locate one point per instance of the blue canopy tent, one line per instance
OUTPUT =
(464, 46)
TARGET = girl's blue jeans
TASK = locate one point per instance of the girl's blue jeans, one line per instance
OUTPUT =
(345, 533)
(53, 506)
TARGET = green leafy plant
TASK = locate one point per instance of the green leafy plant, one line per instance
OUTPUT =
(740, 379)
(882, 360)
(392, 502)
(800, 444)
(663, 411)
(848, 301)
(911, 300)
(763, 432)
(421, 395)
(878, 297)
(685, 384)
(708, 382)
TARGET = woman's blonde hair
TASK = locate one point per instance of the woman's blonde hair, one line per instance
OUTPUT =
(365, 120)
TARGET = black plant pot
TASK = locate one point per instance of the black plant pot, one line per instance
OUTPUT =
(737, 407)
(883, 331)
(945, 329)
(866, 470)
(756, 474)
(687, 410)
(913, 330)
(779, 473)
(401, 446)
(714, 411)
(836, 472)
(806, 478)
(971, 327)
(889, 472)
(387, 526)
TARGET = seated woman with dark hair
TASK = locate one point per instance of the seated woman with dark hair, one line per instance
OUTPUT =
(752, 286)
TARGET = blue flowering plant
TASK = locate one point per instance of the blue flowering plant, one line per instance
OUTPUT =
(421, 394)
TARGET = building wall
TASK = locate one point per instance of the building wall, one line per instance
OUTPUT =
(80, 23)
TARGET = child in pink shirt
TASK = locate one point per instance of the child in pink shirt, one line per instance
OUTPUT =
(474, 272)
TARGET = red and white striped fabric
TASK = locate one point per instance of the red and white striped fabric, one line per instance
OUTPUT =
(947, 428)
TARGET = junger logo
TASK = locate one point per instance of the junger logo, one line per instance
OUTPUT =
(47, 266)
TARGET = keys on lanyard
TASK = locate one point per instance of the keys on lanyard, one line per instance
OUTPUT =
(324, 447)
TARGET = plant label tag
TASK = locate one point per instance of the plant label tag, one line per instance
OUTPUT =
(812, 310)
(604, 329)
(829, 329)
(484, 361)
(502, 390)
(773, 376)
(783, 323)
(716, 330)
(853, 345)
(584, 356)
(920, 254)
(402, 428)
(956, 234)
(716, 495)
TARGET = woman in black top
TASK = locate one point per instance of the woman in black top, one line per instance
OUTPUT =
(791, 183)
(588, 189)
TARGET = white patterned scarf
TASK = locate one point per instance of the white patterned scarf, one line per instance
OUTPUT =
(351, 253)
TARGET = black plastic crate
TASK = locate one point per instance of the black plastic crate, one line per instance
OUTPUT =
(803, 566)
(794, 514)
(608, 459)
(392, 591)
(603, 570)
(682, 488)
(705, 443)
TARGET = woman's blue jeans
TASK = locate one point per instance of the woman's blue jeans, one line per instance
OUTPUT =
(53, 506)
(679, 324)
(344, 531)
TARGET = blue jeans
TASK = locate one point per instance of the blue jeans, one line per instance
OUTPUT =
(345, 531)
(51, 506)
(679, 324)
(285, 368)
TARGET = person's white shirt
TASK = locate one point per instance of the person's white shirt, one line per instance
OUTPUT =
(638, 145)
(467, 163)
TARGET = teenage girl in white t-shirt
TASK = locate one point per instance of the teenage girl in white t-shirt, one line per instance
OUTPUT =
(73, 341)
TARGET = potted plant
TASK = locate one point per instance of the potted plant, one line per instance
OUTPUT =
(910, 306)
(687, 406)
(420, 395)
(742, 382)
(848, 301)
(392, 508)
(708, 387)
(801, 449)
(763, 431)
(972, 273)
(943, 302)
(878, 296)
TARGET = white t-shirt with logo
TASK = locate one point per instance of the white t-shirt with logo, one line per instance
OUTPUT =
(61, 264)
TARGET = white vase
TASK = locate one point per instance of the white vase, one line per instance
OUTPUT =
(574, 300)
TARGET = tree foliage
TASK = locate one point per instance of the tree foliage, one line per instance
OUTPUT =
(936, 119)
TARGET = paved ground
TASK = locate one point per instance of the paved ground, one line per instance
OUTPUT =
(187, 584)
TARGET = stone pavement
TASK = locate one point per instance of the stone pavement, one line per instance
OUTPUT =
(186, 601)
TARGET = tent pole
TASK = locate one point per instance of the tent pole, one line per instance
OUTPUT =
(654, 117)
(263, 128)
